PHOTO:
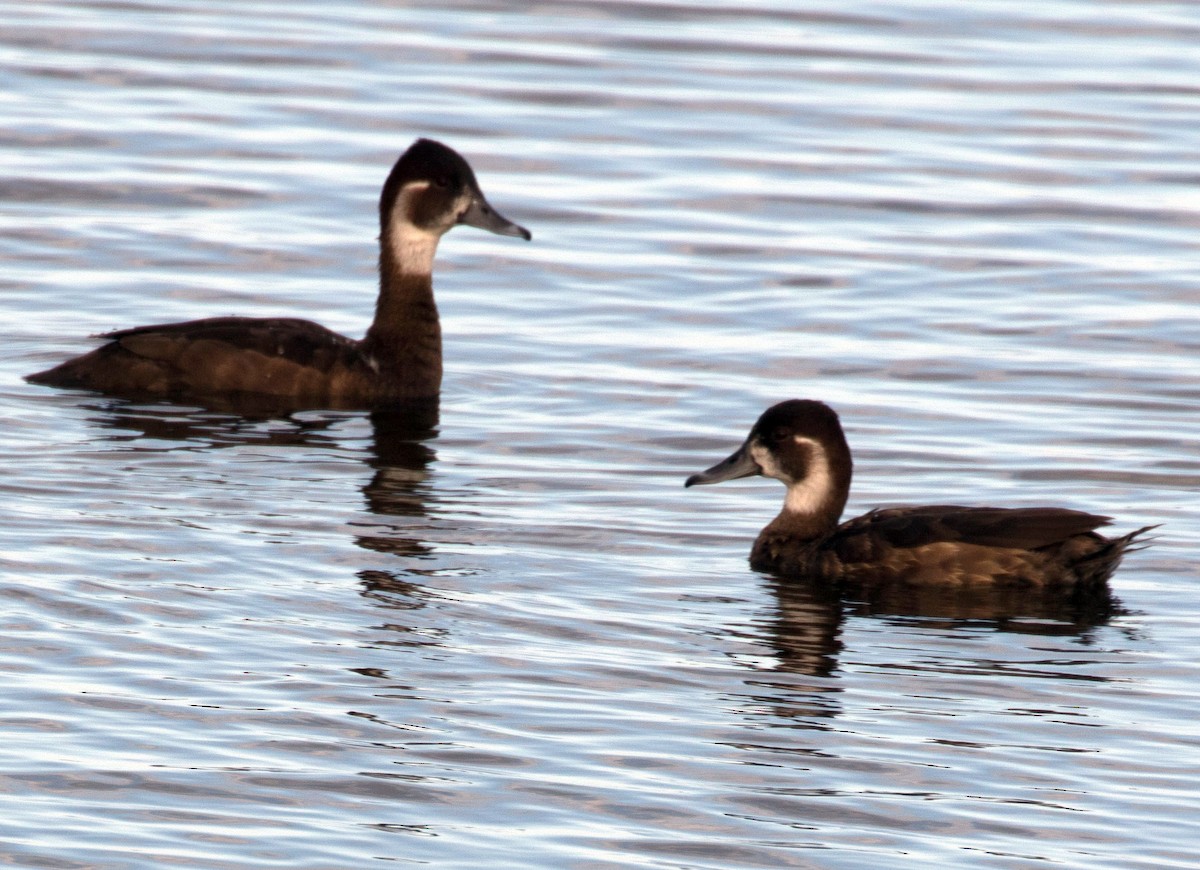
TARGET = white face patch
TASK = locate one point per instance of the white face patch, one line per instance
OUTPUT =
(807, 495)
(766, 462)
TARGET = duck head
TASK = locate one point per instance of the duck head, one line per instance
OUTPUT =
(799, 442)
(432, 189)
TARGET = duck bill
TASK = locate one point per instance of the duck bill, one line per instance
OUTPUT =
(740, 464)
(481, 214)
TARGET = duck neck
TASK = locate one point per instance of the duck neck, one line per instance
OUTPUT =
(814, 504)
(404, 343)
(805, 523)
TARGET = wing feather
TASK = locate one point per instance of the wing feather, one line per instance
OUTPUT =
(1016, 528)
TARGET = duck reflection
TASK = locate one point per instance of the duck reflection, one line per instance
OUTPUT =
(399, 452)
(401, 457)
(207, 426)
(1026, 610)
(806, 631)
(807, 628)
(397, 449)
(810, 615)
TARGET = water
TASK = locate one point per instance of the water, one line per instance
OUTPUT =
(514, 640)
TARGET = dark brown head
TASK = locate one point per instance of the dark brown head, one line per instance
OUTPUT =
(431, 189)
(801, 443)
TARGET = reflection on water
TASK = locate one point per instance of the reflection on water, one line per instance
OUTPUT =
(235, 425)
(811, 614)
(1031, 610)
(399, 451)
(806, 633)
(400, 457)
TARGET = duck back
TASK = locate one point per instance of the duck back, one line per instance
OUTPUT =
(950, 544)
(285, 357)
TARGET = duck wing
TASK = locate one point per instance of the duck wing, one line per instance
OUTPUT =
(1013, 528)
(299, 341)
(286, 357)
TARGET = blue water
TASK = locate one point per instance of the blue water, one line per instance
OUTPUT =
(515, 640)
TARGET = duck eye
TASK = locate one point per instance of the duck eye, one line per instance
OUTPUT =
(778, 434)
(442, 181)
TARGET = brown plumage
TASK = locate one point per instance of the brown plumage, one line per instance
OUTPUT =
(430, 190)
(801, 443)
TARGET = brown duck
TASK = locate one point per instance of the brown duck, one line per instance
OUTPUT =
(801, 443)
(430, 190)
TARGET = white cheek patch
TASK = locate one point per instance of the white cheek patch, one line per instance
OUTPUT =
(806, 496)
(414, 248)
(402, 207)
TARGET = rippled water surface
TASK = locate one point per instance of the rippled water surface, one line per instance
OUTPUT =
(513, 639)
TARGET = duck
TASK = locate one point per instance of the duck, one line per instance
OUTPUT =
(430, 190)
(801, 443)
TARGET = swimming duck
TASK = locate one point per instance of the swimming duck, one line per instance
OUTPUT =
(801, 443)
(431, 189)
